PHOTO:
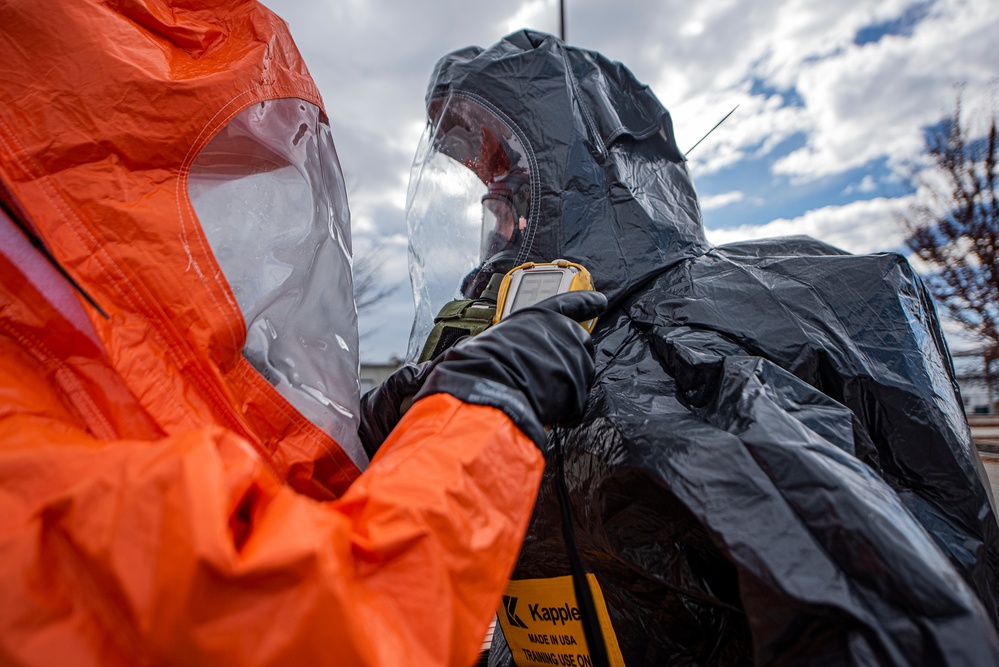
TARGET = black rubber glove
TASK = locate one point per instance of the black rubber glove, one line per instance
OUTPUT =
(536, 365)
(383, 406)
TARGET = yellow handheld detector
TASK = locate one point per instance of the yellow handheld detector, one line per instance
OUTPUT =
(532, 282)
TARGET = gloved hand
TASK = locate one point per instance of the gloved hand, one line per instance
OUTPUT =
(535, 365)
(383, 406)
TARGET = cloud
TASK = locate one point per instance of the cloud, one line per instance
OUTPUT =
(867, 184)
(870, 101)
(711, 202)
(860, 227)
(855, 103)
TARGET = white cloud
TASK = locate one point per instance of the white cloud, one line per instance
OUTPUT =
(712, 202)
(858, 103)
(867, 184)
(755, 129)
(870, 101)
(860, 227)
(692, 29)
(541, 13)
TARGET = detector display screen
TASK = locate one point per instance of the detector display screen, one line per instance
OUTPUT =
(535, 287)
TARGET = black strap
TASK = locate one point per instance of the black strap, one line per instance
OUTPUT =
(584, 596)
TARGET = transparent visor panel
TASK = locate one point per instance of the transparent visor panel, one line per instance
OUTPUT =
(469, 209)
(270, 196)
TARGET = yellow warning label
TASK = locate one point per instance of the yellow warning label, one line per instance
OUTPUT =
(541, 623)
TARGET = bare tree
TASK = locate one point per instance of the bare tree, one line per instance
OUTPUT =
(955, 230)
(370, 287)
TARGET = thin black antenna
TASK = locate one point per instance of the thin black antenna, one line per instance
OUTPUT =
(561, 20)
(711, 130)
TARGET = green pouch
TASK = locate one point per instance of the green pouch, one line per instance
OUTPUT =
(457, 319)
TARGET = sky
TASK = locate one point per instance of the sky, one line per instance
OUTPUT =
(833, 102)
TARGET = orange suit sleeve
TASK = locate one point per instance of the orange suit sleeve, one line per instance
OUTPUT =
(186, 550)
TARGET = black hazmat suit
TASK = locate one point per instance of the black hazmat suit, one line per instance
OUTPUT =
(774, 466)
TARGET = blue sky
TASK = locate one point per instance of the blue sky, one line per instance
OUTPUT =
(833, 99)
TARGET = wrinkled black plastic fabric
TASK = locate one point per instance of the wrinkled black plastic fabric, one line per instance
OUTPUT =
(774, 466)
(382, 407)
(535, 365)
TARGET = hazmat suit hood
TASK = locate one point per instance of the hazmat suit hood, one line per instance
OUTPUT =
(774, 466)
(608, 185)
(175, 162)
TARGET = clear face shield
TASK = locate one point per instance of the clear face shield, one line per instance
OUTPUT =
(469, 209)
(270, 196)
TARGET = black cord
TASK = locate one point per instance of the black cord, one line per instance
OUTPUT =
(584, 596)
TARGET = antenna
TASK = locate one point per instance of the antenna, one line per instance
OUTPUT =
(561, 20)
(711, 130)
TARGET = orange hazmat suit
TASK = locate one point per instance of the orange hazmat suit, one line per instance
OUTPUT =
(164, 498)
